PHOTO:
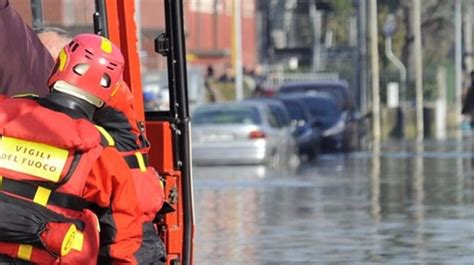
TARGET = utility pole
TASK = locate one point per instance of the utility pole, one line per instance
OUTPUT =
(375, 72)
(458, 60)
(418, 69)
(316, 19)
(237, 48)
(468, 36)
(362, 55)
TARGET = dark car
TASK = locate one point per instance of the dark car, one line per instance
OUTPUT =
(336, 130)
(340, 92)
(308, 136)
(337, 89)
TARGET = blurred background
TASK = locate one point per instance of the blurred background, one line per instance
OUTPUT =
(239, 49)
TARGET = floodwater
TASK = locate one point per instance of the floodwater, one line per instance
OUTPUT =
(404, 204)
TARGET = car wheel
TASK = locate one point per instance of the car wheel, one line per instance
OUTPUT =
(313, 154)
(350, 143)
(294, 161)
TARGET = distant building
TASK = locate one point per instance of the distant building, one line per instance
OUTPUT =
(208, 26)
(287, 30)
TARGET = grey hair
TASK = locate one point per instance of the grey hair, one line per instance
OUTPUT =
(61, 32)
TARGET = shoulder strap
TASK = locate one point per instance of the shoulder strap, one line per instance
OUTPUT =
(105, 138)
(137, 160)
(42, 195)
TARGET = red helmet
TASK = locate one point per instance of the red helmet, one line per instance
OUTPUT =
(89, 67)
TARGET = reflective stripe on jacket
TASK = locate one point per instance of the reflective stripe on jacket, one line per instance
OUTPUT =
(119, 119)
(52, 158)
(40, 141)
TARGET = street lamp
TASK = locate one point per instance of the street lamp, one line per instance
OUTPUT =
(389, 28)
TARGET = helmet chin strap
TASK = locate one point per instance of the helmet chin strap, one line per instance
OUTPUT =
(79, 106)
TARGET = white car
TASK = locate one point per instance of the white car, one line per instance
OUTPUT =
(238, 133)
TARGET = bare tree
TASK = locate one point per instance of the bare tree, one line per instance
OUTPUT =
(436, 27)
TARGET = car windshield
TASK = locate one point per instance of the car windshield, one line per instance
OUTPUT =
(280, 115)
(334, 90)
(338, 92)
(227, 116)
(322, 107)
(295, 110)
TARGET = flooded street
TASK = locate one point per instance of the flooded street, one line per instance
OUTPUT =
(406, 204)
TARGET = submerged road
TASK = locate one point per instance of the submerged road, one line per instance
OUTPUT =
(406, 204)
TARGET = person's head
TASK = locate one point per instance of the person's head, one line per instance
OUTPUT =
(123, 102)
(89, 68)
(210, 71)
(54, 39)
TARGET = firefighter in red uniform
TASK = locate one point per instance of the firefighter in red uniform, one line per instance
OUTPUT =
(54, 163)
(118, 118)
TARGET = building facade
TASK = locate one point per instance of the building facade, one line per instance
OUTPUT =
(208, 27)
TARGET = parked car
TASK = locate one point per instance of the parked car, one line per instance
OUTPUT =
(308, 136)
(340, 92)
(278, 109)
(237, 133)
(337, 89)
(337, 132)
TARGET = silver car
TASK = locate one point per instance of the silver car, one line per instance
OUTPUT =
(238, 133)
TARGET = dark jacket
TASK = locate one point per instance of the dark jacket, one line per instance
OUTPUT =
(468, 103)
(25, 64)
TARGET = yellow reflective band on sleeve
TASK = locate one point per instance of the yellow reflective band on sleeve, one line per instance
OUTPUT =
(42, 196)
(68, 240)
(1, 181)
(161, 184)
(24, 252)
(116, 87)
(36, 159)
(106, 135)
(62, 60)
(106, 45)
(78, 241)
(141, 161)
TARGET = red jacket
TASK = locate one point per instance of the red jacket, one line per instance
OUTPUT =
(101, 176)
(119, 119)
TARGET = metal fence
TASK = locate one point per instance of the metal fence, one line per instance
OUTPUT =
(276, 79)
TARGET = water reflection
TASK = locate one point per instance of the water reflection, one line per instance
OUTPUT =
(375, 185)
(400, 204)
(224, 213)
(418, 205)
